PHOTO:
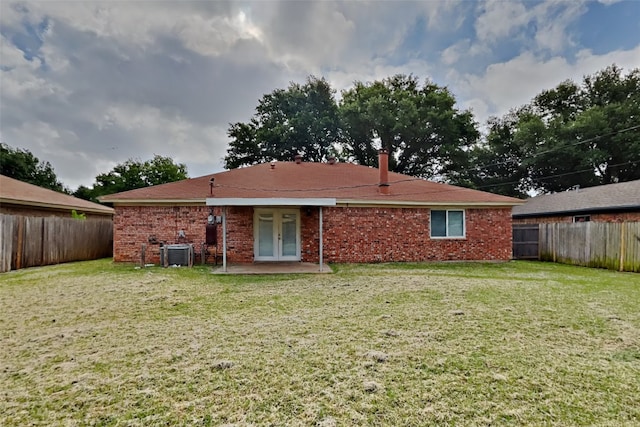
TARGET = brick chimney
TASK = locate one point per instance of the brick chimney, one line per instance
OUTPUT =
(383, 167)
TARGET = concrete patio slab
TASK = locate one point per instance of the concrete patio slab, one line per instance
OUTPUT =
(274, 268)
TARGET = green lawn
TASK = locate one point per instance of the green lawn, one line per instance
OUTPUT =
(518, 343)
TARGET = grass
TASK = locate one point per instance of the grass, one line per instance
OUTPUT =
(518, 343)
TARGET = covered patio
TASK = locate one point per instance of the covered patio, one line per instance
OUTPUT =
(285, 267)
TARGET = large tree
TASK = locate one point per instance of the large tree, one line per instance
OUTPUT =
(303, 119)
(133, 174)
(572, 135)
(426, 135)
(24, 166)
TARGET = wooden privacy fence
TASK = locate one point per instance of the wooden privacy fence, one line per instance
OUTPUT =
(32, 241)
(525, 241)
(593, 244)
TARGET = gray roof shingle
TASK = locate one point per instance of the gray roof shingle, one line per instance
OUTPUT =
(623, 195)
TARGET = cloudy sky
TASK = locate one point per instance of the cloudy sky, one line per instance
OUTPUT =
(87, 85)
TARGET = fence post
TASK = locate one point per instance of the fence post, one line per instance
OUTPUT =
(622, 245)
(554, 235)
(20, 243)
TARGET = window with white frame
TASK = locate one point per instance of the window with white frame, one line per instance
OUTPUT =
(447, 223)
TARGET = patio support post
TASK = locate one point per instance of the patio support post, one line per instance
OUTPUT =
(224, 239)
(320, 249)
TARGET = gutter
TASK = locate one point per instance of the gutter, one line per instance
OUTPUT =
(301, 201)
(595, 210)
(106, 211)
(408, 204)
(139, 202)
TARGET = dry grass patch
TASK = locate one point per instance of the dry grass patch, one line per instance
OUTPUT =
(509, 344)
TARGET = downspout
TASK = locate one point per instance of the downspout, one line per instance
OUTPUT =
(224, 239)
(320, 249)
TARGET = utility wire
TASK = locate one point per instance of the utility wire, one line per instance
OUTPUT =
(444, 190)
(560, 147)
(346, 187)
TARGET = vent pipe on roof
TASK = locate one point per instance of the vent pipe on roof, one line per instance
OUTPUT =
(332, 160)
(211, 186)
(298, 159)
(383, 167)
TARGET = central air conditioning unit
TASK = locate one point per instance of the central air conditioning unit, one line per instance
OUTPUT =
(179, 254)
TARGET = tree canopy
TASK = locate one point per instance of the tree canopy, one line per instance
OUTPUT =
(420, 126)
(572, 135)
(22, 165)
(303, 119)
(425, 134)
(133, 174)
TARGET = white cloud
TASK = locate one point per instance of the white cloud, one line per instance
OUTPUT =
(500, 19)
(20, 79)
(110, 80)
(513, 83)
(208, 28)
(548, 20)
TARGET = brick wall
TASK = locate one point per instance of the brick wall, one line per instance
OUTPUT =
(596, 217)
(350, 234)
(402, 234)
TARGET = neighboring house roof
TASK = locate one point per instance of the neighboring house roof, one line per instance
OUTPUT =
(345, 182)
(603, 198)
(14, 192)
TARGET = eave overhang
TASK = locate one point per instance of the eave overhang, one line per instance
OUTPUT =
(54, 206)
(154, 202)
(583, 211)
(408, 204)
(305, 201)
(274, 201)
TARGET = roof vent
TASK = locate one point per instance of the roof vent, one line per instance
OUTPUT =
(298, 159)
(273, 164)
(332, 160)
(211, 186)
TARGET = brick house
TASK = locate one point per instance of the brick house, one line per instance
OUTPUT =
(21, 198)
(315, 212)
(618, 202)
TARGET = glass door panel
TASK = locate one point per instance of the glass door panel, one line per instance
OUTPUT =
(277, 235)
(265, 235)
(289, 235)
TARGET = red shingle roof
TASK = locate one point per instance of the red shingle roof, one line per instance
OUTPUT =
(21, 193)
(342, 181)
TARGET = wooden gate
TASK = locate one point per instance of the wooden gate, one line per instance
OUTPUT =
(525, 241)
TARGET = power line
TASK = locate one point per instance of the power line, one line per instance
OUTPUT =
(559, 147)
(346, 187)
(543, 178)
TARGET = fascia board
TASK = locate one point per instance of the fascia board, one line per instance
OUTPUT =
(276, 201)
(29, 203)
(401, 203)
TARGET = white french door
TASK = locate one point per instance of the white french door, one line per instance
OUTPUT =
(276, 235)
